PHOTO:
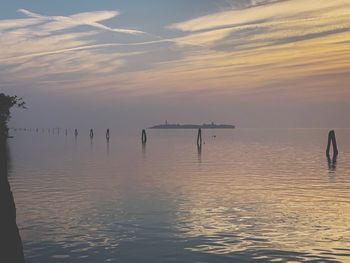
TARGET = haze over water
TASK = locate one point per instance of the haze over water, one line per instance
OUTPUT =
(248, 195)
(135, 63)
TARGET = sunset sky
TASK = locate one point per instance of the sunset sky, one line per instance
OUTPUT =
(135, 63)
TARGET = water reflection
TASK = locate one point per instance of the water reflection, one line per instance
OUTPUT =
(11, 249)
(107, 146)
(199, 153)
(144, 151)
(253, 198)
(332, 163)
(91, 143)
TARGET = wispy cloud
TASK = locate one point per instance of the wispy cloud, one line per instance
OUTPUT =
(274, 11)
(262, 44)
(41, 47)
(18, 23)
(87, 18)
(267, 43)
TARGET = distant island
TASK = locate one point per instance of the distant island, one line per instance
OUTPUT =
(212, 125)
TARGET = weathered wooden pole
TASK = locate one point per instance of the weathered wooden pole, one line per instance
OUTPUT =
(66, 132)
(107, 135)
(75, 132)
(199, 138)
(91, 133)
(144, 136)
(332, 140)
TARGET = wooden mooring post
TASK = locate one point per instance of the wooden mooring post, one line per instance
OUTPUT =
(199, 138)
(332, 140)
(144, 136)
(107, 135)
(76, 132)
(91, 133)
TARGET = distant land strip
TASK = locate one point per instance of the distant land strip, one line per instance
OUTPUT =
(193, 126)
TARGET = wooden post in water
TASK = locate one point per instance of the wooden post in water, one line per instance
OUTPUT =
(91, 133)
(75, 132)
(107, 135)
(199, 138)
(332, 140)
(66, 131)
(144, 136)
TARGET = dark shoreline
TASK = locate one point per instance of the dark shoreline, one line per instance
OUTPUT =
(11, 248)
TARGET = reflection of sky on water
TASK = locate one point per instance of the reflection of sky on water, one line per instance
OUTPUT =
(247, 195)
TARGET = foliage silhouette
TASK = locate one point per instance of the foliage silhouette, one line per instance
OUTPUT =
(6, 103)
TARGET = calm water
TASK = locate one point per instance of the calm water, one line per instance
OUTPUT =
(247, 196)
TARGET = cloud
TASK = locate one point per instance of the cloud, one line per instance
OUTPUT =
(264, 46)
(267, 24)
(83, 63)
(24, 43)
(267, 44)
(274, 11)
(204, 39)
(41, 47)
(11, 24)
(87, 18)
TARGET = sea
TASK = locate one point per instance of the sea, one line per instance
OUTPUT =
(245, 195)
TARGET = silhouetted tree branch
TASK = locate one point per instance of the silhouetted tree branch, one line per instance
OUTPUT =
(6, 103)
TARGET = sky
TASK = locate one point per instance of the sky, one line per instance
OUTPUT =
(132, 64)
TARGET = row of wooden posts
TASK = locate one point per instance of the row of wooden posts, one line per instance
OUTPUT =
(91, 133)
(332, 142)
(143, 134)
(66, 131)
